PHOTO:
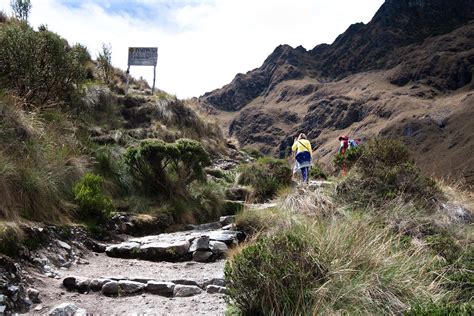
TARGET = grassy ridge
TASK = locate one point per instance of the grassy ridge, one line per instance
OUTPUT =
(391, 249)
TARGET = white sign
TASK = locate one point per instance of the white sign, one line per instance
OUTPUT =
(142, 56)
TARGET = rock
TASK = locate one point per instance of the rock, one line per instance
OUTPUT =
(110, 288)
(186, 290)
(130, 287)
(38, 308)
(116, 277)
(67, 265)
(3, 299)
(226, 220)
(160, 288)
(208, 226)
(83, 286)
(201, 255)
(211, 289)
(2, 309)
(33, 294)
(214, 281)
(95, 246)
(123, 250)
(229, 227)
(64, 245)
(143, 280)
(200, 243)
(97, 284)
(64, 309)
(163, 251)
(218, 247)
(185, 282)
(226, 236)
(69, 283)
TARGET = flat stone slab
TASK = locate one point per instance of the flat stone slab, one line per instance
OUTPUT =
(179, 246)
(130, 287)
(186, 290)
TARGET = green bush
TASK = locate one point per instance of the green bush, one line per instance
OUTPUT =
(267, 176)
(349, 158)
(89, 195)
(276, 275)
(385, 171)
(317, 173)
(40, 66)
(441, 309)
(167, 168)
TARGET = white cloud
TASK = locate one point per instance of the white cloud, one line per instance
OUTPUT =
(202, 45)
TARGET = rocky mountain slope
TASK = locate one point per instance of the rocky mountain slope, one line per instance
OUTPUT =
(407, 73)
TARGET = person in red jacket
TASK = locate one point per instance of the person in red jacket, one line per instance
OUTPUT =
(344, 145)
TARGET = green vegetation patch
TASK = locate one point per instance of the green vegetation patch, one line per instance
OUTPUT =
(267, 176)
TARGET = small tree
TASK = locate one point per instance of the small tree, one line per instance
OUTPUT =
(104, 61)
(21, 9)
(167, 168)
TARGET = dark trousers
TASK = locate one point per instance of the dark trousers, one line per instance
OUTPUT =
(305, 173)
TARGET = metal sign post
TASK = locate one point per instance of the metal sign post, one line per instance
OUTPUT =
(142, 56)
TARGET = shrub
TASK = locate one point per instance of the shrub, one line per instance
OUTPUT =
(274, 276)
(384, 171)
(167, 168)
(349, 158)
(40, 66)
(441, 309)
(344, 266)
(104, 61)
(266, 176)
(21, 8)
(317, 173)
(93, 203)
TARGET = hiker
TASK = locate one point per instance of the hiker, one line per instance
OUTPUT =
(344, 145)
(303, 157)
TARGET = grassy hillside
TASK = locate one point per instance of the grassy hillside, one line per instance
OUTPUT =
(71, 142)
(383, 240)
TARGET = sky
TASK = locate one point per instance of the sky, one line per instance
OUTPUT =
(203, 44)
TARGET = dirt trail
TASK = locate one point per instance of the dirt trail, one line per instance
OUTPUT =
(100, 265)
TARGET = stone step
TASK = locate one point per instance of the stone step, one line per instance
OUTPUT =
(197, 245)
(123, 286)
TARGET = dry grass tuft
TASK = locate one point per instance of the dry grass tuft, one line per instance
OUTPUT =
(305, 201)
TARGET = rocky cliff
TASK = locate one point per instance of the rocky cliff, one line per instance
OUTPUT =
(411, 65)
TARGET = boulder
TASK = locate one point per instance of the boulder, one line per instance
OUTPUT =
(123, 250)
(83, 285)
(200, 243)
(160, 288)
(130, 287)
(214, 281)
(163, 251)
(227, 220)
(66, 309)
(202, 255)
(64, 245)
(110, 288)
(97, 284)
(33, 295)
(207, 226)
(229, 237)
(186, 290)
(212, 289)
(95, 246)
(185, 282)
(69, 283)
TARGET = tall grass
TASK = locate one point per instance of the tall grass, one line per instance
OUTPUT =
(330, 267)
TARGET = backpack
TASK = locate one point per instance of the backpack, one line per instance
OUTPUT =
(353, 143)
